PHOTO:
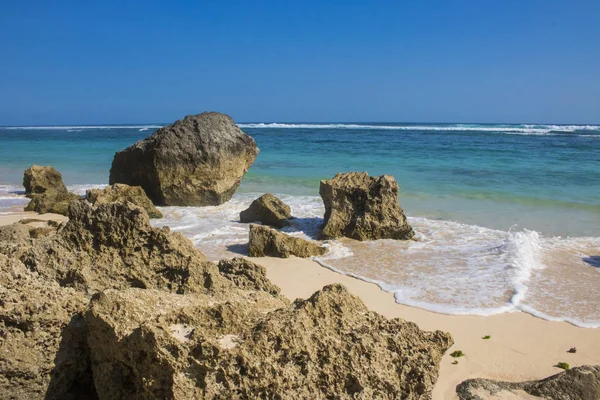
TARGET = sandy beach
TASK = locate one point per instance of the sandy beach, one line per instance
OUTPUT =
(521, 347)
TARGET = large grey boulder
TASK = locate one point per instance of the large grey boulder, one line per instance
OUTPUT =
(268, 210)
(196, 161)
(363, 207)
(265, 241)
(580, 383)
(45, 187)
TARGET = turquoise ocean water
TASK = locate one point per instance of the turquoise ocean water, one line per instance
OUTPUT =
(508, 216)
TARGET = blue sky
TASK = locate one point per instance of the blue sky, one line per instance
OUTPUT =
(73, 62)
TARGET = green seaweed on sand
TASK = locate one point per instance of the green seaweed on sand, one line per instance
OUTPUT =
(486, 337)
(562, 365)
(457, 353)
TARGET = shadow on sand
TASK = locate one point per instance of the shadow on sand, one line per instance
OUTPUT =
(594, 261)
(238, 248)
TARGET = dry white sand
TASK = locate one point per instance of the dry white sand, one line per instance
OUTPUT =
(522, 347)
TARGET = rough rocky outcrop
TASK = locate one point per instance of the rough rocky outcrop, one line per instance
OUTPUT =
(580, 383)
(252, 345)
(120, 192)
(265, 241)
(247, 275)
(45, 187)
(362, 207)
(43, 346)
(197, 161)
(15, 239)
(268, 210)
(114, 246)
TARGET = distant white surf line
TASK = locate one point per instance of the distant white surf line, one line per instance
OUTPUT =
(529, 129)
(82, 127)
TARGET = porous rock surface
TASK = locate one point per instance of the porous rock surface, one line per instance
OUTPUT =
(119, 192)
(247, 275)
(113, 245)
(579, 383)
(43, 346)
(196, 161)
(45, 187)
(253, 345)
(265, 241)
(363, 207)
(268, 210)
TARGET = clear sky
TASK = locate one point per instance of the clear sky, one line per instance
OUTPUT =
(75, 62)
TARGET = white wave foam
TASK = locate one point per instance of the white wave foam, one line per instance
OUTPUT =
(516, 129)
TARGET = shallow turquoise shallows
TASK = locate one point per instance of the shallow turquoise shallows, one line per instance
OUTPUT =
(541, 177)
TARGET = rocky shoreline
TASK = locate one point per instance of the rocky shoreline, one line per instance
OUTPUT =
(106, 306)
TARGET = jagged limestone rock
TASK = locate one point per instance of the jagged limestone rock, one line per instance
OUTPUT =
(43, 346)
(247, 275)
(113, 245)
(120, 192)
(196, 161)
(265, 241)
(268, 210)
(363, 207)
(45, 187)
(253, 345)
(580, 383)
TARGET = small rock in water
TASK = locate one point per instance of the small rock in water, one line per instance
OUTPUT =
(265, 241)
(363, 207)
(268, 210)
(45, 187)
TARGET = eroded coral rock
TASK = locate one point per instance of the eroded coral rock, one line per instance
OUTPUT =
(253, 345)
(45, 187)
(580, 383)
(113, 245)
(247, 275)
(43, 345)
(268, 210)
(120, 192)
(363, 207)
(196, 161)
(265, 241)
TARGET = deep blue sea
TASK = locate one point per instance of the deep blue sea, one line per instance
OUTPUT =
(507, 216)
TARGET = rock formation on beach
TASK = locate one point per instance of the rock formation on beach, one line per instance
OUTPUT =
(43, 345)
(265, 241)
(110, 307)
(363, 207)
(45, 187)
(196, 161)
(268, 210)
(251, 345)
(122, 193)
(247, 275)
(580, 383)
(114, 246)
